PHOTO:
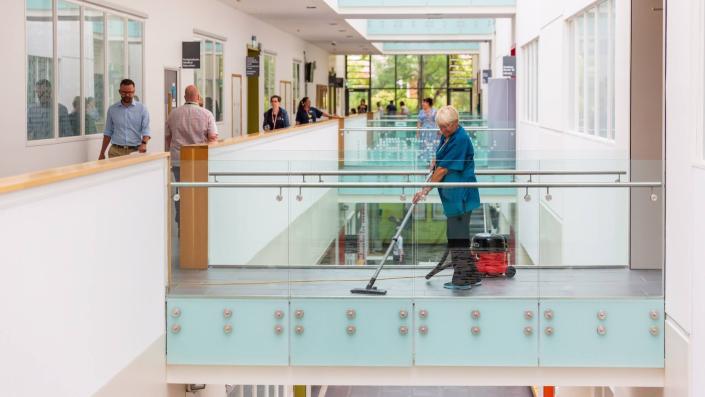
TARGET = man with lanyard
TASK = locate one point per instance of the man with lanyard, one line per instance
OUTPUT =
(188, 125)
(127, 125)
(455, 163)
(276, 116)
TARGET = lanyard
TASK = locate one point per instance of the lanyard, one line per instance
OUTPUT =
(274, 120)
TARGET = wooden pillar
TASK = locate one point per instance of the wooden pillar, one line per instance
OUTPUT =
(193, 240)
(341, 144)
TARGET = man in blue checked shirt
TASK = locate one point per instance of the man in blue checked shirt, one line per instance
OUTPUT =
(127, 125)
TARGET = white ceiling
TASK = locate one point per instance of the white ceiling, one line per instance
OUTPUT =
(320, 26)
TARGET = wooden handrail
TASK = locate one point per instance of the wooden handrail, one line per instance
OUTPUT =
(59, 174)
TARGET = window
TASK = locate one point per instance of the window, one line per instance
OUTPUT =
(530, 94)
(296, 86)
(209, 78)
(592, 41)
(269, 78)
(58, 61)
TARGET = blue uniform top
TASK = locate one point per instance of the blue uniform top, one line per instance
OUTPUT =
(458, 157)
(303, 117)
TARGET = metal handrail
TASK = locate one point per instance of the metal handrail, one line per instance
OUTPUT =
(336, 185)
(420, 129)
(408, 173)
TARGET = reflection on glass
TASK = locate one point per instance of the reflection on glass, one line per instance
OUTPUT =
(198, 74)
(296, 73)
(69, 55)
(134, 48)
(268, 80)
(94, 71)
(116, 56)
(219, 82)
(40, 71)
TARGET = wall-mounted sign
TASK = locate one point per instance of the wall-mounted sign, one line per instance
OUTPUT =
(509, 66)
(191, 54)
(252, 66)
(486, 75)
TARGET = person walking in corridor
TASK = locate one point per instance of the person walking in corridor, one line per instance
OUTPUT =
(455, 162)
(127, 125)
(188, 125)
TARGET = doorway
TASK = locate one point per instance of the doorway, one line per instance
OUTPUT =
(236, 92)
(171, 93)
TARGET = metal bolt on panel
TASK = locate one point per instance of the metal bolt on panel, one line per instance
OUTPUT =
(175, 312)
(227, 313)
(423, 313)
(350, 313)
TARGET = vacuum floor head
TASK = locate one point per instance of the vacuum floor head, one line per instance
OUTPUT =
(369, 291)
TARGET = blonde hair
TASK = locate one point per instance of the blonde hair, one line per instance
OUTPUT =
(446, 116)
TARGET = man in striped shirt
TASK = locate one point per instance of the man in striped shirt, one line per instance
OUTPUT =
(188, 125)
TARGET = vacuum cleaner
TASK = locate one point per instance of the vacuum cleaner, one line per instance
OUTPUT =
(370, 289)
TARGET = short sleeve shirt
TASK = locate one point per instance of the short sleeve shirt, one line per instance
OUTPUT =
(313, 114)
(458, 157)
(427, 120)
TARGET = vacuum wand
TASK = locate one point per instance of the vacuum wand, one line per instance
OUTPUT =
(370, 289)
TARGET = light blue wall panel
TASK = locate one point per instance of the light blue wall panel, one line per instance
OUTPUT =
(377, 340)
(430, 26)
(425, 47)
(574, 339)
(505, 333)
(200, 337)
(416, 3)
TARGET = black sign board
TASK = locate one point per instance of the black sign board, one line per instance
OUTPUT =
(509, 66)
(252, 66)
(191, 54)
(486, 74)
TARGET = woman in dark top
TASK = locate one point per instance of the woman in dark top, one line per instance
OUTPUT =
(308, 114)
(276, 117)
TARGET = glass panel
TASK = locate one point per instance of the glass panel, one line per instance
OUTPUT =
(296, 88)
(40, 70)
(460, 70)
(269, 79)
(135, 45)
(579, 64)
(603, 59)
(381, 98)
(198, 74)
(209, 75)
(355, 99)
(69, 61)
(383, 71)
(358, 71)
(410, 99)
(116, 56)
(435, 71)
(408, 71)
(461, 100)
(220, 72)
(439, 96)
(94, 71)
(590, 72)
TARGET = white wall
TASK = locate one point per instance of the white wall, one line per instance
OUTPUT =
(243, 222)
(550, 143)
(685, 189)
(85, 267)
(169, 23)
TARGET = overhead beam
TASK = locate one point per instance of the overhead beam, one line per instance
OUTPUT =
(424, 38)
(440, 12)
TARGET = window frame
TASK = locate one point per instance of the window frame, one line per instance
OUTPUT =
(530, 85)
(578, 44)
(107, 12)
(200, 81)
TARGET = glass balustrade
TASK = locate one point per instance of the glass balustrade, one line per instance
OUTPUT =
(297, 227)
(304, 262)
